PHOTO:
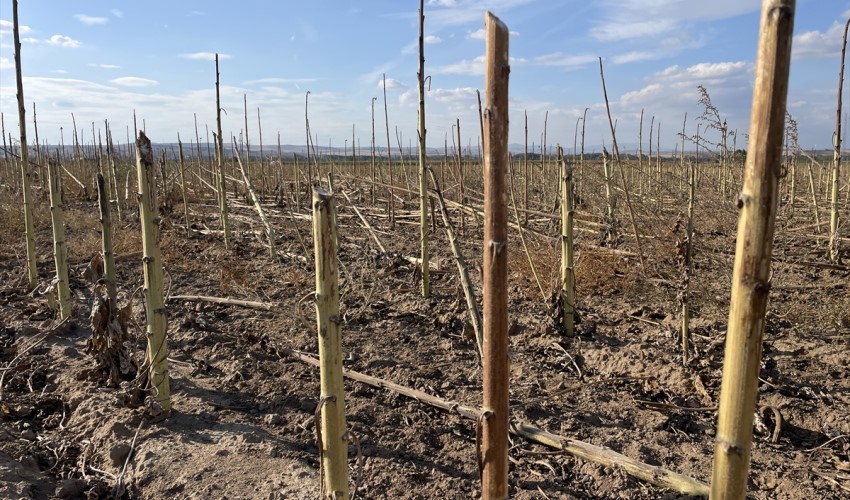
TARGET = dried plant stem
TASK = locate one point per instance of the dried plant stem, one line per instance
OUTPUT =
(366, 224)
(60, 250)
(423, 182)
(29, 225)
(372, 172)
(389, 156)
(836, 159)
(494, 421)
(156, 356)
(462, 271)
(620, 168)
(334, 443)
(259, 207)
(220, 185)
(183, 184)
(688, 261)
(110, 157)
(750, 280)
(522, 234)
(568, 280)
(814, 196)
(585, 451)
(106, 241)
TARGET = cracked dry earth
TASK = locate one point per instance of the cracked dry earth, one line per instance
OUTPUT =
(243, 424)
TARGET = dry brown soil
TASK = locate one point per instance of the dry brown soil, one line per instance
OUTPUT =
(243, 424)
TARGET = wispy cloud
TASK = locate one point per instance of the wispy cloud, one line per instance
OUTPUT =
(5, 63)
(622, 30)
(818, 44)
(104, 66)
(413, 47)
(635, 56)
(641, 19)
(91, 20)
(63, 41)
(6, 28)
(392, 83)
(676, 87)
(170, 112)
(134, 81)
(475, 66)
(565, 61)
(117, 12)
(446, 13)
(458, 98)
(203, 56)
(470, 67)
(479, 34)
(279, 81)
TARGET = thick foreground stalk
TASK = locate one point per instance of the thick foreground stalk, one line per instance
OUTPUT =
(29, 226)
(494, 421)
(60, 251)
(334, 442)
(750, 279)
(156, 355)
(836, 159)
(568, 279)
(106, 241)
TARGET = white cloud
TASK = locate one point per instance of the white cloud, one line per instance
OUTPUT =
(675, 89)
(30, 40)
(7, 26)
(392, 83)
(432, 39)
(5, 63)
(59, 71)
(460, 95)
(472, 67)
(480, 34)
(456, 99)
(638, 19)
(167, 113)
(634, 56)
(133, 81)
(104, 66)
(817, 44)
(91, 20)
(565, 61)
(452, 13)
(611, 32)
(63, 41)
(204, 56)
(279, 81)
(117, 12)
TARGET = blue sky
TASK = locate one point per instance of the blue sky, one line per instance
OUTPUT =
(103, 59)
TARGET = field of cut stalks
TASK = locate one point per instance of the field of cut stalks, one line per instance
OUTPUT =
(243, 420)
(228, 321)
